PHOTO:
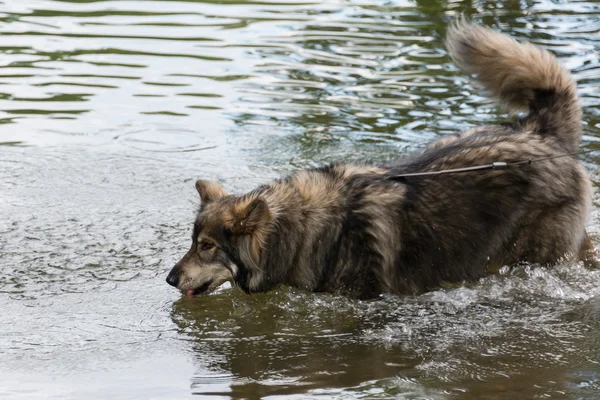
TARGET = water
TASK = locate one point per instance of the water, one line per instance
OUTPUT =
(111, 109)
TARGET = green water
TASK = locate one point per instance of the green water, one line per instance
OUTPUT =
(109, 110)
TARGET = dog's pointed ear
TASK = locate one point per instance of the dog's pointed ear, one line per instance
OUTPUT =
(209, 191)
(251, 215)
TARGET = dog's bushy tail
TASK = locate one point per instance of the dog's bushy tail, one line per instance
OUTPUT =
(522, 76)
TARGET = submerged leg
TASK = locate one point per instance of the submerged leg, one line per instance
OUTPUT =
(588, 254)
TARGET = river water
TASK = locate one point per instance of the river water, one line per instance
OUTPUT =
(109, 110)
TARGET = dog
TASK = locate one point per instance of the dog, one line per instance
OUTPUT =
(361, 230)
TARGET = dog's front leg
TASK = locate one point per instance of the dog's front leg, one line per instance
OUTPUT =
(588, 254)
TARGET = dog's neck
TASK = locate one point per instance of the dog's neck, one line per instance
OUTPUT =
(300, 211)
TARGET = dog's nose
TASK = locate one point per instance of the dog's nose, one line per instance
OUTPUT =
(173, 278)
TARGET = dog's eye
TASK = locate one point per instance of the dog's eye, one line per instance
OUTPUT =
(205, 246)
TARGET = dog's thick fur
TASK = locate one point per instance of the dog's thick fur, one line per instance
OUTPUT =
(359, 230)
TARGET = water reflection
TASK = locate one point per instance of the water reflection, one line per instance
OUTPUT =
(283, 343)
(507, 331)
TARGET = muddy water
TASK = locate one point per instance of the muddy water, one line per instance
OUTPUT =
(110, 109)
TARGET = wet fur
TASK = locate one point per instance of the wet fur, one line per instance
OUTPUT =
(359, 230)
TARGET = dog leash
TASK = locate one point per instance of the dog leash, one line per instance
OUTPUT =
(499, 165)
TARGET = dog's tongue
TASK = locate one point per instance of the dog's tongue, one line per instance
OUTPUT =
(189, 292)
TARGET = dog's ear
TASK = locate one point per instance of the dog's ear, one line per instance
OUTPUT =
(251, 215)
(209, 191)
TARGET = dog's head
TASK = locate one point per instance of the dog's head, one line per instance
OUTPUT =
(229, 233)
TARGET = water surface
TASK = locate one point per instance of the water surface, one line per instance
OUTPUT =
(109, 110)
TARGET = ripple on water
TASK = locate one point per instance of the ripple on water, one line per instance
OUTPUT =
(519, 317)
(510, 326)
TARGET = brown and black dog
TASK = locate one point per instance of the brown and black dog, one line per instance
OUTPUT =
(362, 230)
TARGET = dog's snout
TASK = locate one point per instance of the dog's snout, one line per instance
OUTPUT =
(173, 277)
